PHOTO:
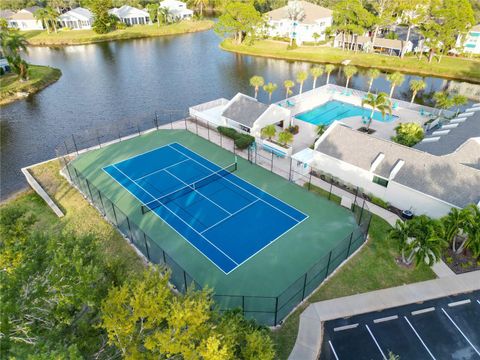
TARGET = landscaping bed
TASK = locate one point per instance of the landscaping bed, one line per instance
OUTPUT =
(461, 263)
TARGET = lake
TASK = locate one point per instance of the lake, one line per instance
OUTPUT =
(110, 82)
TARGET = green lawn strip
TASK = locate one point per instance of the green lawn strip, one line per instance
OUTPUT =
(39, 78)
(449, 67)
(77, 37)
(373, 268)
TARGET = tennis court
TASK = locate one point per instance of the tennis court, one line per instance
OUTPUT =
(204, 202)
(446, 328)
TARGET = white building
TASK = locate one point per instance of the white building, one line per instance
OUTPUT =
(130, 15)
(177, 10)
(471, 44)
(299, 20)
(77, 19)
(407, 178)
(25, 19)
(381, 45)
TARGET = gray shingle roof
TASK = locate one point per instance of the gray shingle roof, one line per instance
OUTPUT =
(439, 176)
(450, 142)
(244, 110)
(313, 13)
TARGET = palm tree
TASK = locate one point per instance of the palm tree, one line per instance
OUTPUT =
(256, 81)
(349, 71)
(459, 100)
(379, 102)
(269, 131)
(43, 16)
(473, 230)
(401, 234)
(301, 77)
(285, 137)
(442, 101)
(164, 14)
(153, 13)
(13, 42)
(52, 17)
(455, 223)
(270, 88)
(316, 72)
(288, 85)
(416, 86)
(328, 69)
(372, 75)
(321, 129)
(428, 243)
(202, 4)
(396, 79)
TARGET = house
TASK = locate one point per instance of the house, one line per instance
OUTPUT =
(77, 19)
(177, 10)
(471, 44)
(382, 45)
(25, 19)
(407, 178)
(130, 15)
(310, 19)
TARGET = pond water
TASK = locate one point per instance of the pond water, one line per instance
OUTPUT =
(109, 82)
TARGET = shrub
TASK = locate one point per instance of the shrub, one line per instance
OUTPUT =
(121, 26)
(2, 71)
(408, 134)
(293, 129)
(228, 132)
(242, 141)
(377, 201)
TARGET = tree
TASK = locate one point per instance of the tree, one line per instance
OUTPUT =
(238, 20)
(384, 11)
(442, 101)
(455, 223)
(153, 12)
(372, 75)
(270, 88)
(256, 81)
(328, 69)
(285, 138)
(316, 36)
(103, 22)
(401, 234)
(349, 71)
(379, 102)
(13, 42)
(350, 17)
(201, 4)
(412, 13)
(472, 230)
(408, 134)
(321, 129)
(288, 85)
(52, 17)
(415, 87)
(301, 77)
(316, 72)
(396, 79)
(43, 16)
(459, 100)
(269, 131)
(295, 14)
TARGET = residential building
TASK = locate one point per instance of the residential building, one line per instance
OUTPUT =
(130, 15)
(310, 19)
(407, 178)
(177, 10)
(471, 44)
(381, 45)
(25, 19)
(77, 19)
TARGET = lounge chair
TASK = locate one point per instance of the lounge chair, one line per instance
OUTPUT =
(290, 104)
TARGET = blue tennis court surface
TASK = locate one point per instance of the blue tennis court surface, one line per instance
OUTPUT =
(223, 216)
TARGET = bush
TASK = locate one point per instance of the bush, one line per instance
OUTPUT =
(228, 132)
(121, 26)
(377, 201)
(408, 134)
(242, 141)
(2, 71)
(293, 129)
(293, 46)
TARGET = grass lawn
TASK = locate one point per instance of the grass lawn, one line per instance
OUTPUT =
(449, 67)
(77, 37)
(39, 78)
(373, 268)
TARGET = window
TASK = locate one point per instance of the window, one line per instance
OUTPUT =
(380, 181)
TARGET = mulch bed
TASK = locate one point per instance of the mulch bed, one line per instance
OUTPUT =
(461, 263)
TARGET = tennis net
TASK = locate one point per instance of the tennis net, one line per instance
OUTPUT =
(165, 199)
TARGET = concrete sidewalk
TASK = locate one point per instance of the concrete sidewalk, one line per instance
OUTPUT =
(309, 339)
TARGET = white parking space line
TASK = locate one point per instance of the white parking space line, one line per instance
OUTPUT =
(333, 350)
(423, 311)
(419, 338)
(387, 318)
(346, 327)
(376, 342)
(478, 302)
(457, 303)
(461, 332)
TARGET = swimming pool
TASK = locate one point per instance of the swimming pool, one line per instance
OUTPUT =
(336, 110)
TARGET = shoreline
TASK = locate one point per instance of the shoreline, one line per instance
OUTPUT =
(281, 54)
(45, 77)
(86, 37)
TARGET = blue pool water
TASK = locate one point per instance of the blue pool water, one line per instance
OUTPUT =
(336, 110)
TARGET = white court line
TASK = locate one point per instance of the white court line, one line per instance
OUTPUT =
(199, 193)
(246, 189)
(180, 220)
(156, 171)
(229, 216)
(457, 303)
(376, 342)
(333, 350)
(419, 338)
(461, 332)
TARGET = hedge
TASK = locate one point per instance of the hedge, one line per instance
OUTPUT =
(241, 140)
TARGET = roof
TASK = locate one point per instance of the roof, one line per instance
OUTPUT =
(78, 13)
(23, 15)
(127, 11)
(450, 142)
(244, 110)
(468, 153)
(312, 12)
(5, 14)
(380, 42)
(31, 9)
(441, 177)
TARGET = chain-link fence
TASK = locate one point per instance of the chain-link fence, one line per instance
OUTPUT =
(267, 310)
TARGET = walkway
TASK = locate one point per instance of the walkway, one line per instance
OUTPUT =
(309, 339)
